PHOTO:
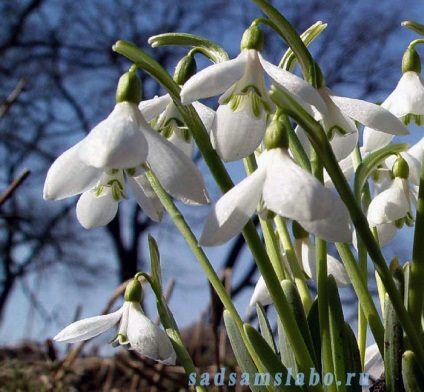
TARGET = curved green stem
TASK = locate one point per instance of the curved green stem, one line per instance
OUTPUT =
(171, 327)
(289, 34)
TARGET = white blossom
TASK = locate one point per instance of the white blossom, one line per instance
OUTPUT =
(287, 190)
(241, 118)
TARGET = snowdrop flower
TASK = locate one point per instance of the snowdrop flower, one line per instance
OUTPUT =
(164, 117)
(394, 205)
(122, 143)
(287, 190)
(136, 331)
(406, 101)
(260, 294)
(306, 253)
(342, 130)
(245, 103)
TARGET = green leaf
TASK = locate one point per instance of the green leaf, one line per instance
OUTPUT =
(296, 305)
(414, 26)
(243, 357)
(208, 48)
(155, 261)
(265, 326)
(338, 338)
(413, 378)
(370, 163)
(270, 361)
(289, 61)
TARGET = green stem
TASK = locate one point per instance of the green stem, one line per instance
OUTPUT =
(299, 276)
(323, 310)
(364, 296)
(292, 38)
(363, 264)
(200, 255)
(320, 143)
(271, 240)
(416, 292)
(171, 327)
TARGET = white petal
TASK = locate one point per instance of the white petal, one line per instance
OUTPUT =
(374, 364)
(88, 328)
(237, 134)
(388, 206)
(117, 142)
(96, 211)
(69, 176)
(374, 140)
(294, 193)
(386, 232)
(213, 80)
(343, 145)
(294, 85)
(309, 263)
(407, 97)
(417, 150)
(233, 210)
(146, 197)
(176, 172)
(338, 270)
(153, 107)
(260, 294)
(371, 115)
(148, 339)
(206, 114)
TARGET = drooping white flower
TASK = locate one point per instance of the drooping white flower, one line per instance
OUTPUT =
(260, 294)
(340, 127)
(287, 190)
(136, 331)
(164, 117)
(78, 170)
(242, 115)
(392, 204)
(306, 253)
(406, 102)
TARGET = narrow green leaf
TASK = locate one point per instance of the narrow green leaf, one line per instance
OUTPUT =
(271, 362)
(370, 163)
(265, 327)
(286, 351)
(155, 261)
(243, 357)
(337, 334)
(414, 26)
(352, 360)
(314, 328)
(393, 339)
(295, 302)
(208, 48)
(413, 378)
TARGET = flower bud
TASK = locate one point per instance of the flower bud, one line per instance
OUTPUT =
(252, 38)
(134, 291)
(129, 88)
(411, 61)
(401, 168)
(276, 136)
(185, 69)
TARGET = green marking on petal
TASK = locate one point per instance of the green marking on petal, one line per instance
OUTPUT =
(399, 223)
(335, 129)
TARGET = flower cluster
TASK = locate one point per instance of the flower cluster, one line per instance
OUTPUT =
(301, 144)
